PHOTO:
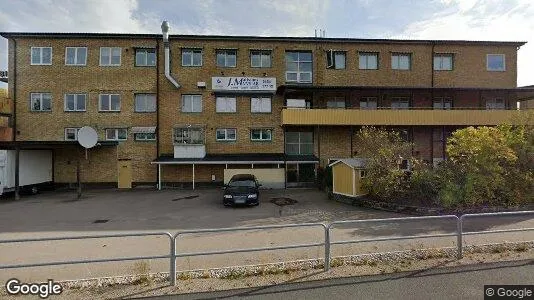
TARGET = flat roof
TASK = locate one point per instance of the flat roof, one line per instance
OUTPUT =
(241, 158)
(47, 144)
(248, 38)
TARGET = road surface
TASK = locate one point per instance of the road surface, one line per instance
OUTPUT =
(464, 282)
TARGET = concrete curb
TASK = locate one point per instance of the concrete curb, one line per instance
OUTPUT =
(235, 272)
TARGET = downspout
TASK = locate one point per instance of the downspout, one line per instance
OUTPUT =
(14, 133)
(165, 30)
(158, 179)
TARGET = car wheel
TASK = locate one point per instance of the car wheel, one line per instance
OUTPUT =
(34, 190)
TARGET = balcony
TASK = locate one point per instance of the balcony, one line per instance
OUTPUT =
(405, 117)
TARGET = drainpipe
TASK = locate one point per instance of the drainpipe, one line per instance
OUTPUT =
(165, 30)
(14, 102)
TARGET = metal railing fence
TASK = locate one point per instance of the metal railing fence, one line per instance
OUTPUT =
(327, 229)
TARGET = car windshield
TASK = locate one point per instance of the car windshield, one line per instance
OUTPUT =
(242, 183)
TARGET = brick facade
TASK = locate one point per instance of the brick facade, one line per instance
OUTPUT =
(329, 142)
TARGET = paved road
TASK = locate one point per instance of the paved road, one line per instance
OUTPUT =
(465, 282)
(56, 214)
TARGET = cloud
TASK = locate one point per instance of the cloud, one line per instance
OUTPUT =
(483, 20)
(77, 16)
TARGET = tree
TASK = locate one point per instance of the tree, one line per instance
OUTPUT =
(489, 166)
(384, 151)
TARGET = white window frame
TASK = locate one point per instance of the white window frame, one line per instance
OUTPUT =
(225, 52)
(398, 55)
(191, 97)
(337, 101)
(40, 102)
(40, 63)
(146, 51)
(400, 100)
(366, 100)
(261, 139)
(298, 72)
(76, 129)
(441, 103)
(187, 131)
(109, 102)
(145, 97)
(503, 63)
(331, 56)
(491, 103)
(261, 100)
(76, 95)
(116, 138)
(109, 64)
(138, 135)
(192, 51)
(300, 143)
(76, 56)
(261, 54)
(440, 57)
(230, 104)
(226, 134)
(366, 55)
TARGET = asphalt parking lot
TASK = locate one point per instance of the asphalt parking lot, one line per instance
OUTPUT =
(58, 213)
(172, 209)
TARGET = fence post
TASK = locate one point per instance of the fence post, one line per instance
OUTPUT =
(172, 266)
(459, 242)
(327, 248)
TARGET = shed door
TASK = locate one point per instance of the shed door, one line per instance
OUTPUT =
(125, 174)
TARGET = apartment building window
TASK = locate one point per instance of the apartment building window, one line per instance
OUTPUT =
(336, 102)
(404, 134)
(401, 61)
(189, 135)
(41, 55)
(495, 103)
(145, 57)
(495, 62)
(75, 102)
(260, 58)
(109, 102)
(400, 103)
(443, 62)
(335, 60)
(442, 103)
(110, 56)
(261, 135)
(75, 56)
(227, 58)
(41, 102)
(145, 136)
(299, 143)
(368, 103)
(191, 103)
(260, 104)
(225, 104)
(71, 134)
(368, 60)
(145, 102)
(226, 134)
(192, 57)
(116, 134)
(299, 66)
(439, 141)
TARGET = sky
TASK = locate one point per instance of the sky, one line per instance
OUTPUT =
(504, 20)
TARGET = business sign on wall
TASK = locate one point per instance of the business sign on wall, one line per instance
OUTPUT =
(243, 83)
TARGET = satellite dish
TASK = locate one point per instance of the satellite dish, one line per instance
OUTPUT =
(87, 137)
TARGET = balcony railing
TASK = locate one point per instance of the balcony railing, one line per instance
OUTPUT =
(462, 116)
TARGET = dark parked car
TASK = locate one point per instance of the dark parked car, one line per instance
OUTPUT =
(242, 189)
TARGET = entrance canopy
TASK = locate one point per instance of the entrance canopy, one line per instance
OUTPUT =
(233, 159)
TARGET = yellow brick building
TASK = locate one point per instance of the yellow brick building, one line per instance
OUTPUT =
(245, 101)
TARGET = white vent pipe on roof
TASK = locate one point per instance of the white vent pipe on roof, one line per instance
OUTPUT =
(165, 30)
